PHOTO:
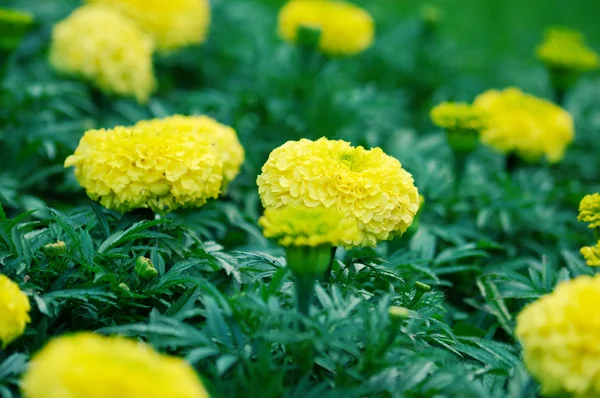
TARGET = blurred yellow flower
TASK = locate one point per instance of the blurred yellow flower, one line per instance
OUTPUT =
(589, 210)
(365, 185)
(105, 48)
(559, 334)
(85, 365)
(225, 139)
(530, 127)
(592, 255)
(172, 24)
(155, 167)
(345, 29)
(458, 116)
(14, 311)
(566, 49)
(303, 226)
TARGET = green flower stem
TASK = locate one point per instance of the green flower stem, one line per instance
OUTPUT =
(597, 234)
(421, 288)
(327, 275)
(305, 288)
(513, 162)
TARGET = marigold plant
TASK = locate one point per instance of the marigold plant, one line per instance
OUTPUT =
(109, 50)
(85, 365)
(14, 311)
(589, 210)
(528, 126)
(345, 29)
(172, 24)
(566, 49)
(155, 167)
(366, 185)
(559, 335)
(225, 138)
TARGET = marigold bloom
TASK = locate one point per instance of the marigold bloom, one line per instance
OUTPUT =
(155, 167)
(85, 365)
(225, 139)
(104, 47)
(303, 226)
(524, 124)
(559, 334)
(592, 255)
(345, 28)
(14, 311)
(458, 116)
(566, 49)
(172, 24)
(589, 210)
(366, 185)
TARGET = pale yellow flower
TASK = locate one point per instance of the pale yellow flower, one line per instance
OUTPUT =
(14, 311)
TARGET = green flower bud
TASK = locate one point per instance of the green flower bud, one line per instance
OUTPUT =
(54, 249)
(398, 313)
(145, 269)
(124, 287)
(422, 287)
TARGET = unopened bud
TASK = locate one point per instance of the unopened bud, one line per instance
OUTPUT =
(54, 249)
(398, 313)
(145, 269)
(124, 287)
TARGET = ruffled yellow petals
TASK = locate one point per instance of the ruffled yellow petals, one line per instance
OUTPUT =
(14, 311)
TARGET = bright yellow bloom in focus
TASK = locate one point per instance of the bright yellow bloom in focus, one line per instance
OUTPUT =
(521, 123)
(589, 210)
(365, 185)
(592, 255)
(346, 29)
(172, 24)
(104, 47)
(156, 167)
(85, 365)
(458, 116)
(559, 334)
(566, 49)
(302, 226)
(225, 139)
(14, 311)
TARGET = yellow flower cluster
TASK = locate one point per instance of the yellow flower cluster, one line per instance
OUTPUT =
(156, 167)
(592, 255)
(224, 138)
(14, 311)
(105, 48)
(565, 49)
(524, 124)
(85, 365)
(458, 116)
(302, 226)
(345, 28)
(589, 210)
(559, 334)
(171, 24)
(365, 185)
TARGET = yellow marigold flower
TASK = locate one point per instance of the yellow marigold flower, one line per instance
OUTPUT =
(225, 138)
(172, 24)
(85, 365)
(104, 47)
(524, 124)
(14, 311)
(592, 255)
(559, 334)
(566, 49)
(458, 116)
(303, 226)
(156, 167)
(366, 185)
(589, 210)
(345, 28)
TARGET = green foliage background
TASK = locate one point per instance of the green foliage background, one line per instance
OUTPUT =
(223, 299)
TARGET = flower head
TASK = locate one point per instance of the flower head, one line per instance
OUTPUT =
(524, 124)
(172, 24)
(559, 334)
(225, 138)
(104, 47)
(14, 311)
(303, 226)
(566, 49)
(155, 167)
(589, 210)
(93, 366)
(365, 185)
(458, 116)
(592, 255)
(345, 28)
